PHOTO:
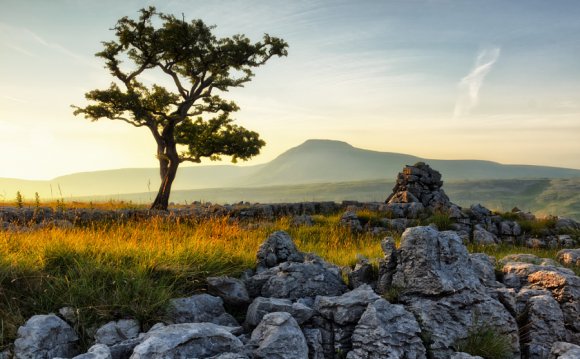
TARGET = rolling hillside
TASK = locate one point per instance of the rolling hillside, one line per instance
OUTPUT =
(314, 161)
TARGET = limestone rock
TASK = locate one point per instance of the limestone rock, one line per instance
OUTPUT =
(262, 306)
(483, 237)
(433, 263)
(347, 308)
(278, 248)
(562, 283)
(302, 220)
(69, 314)
(450, 318)
(278, 336)
(567, 224)
(544, 325)
(45, 337)
(233, 291)
(386, 331)
(569, 257)
(199, 308)
(420, 184)
(187, 340)
(116, 332)
(314, 341)
(350, 219)
(387, 265)
(362, 273)
(510, 228)
(124, 349)
(462, 355)
(441, 286)
(97, 351)
(479, 212)
(562, 350)
(484, 267)
(294, 280)
(229, 356)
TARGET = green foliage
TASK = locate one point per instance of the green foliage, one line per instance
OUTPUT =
(371, 218)
(191, 121)
(486, 342)
(19, 200)
(441, 219)
(393, 293)
(36, 200)
(538, 227)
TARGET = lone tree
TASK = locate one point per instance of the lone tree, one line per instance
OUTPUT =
(190, 121)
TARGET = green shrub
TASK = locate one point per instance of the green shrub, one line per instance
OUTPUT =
(486, 342)
(538, 227)
(392, 294)
(19, 200)
(442, 220)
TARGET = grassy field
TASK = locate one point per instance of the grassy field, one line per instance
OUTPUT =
(112, 271)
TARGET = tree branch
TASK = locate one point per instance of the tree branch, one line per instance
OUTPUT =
(167, 69)
(189, 159)
(136, 124)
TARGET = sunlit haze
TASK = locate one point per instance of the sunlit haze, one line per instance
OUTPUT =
(493, 80)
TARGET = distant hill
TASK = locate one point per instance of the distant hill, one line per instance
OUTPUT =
(334, 161)
(314, 161)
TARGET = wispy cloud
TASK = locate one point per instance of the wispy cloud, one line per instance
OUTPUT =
(13, 99)
(470, 85)
(23, 34)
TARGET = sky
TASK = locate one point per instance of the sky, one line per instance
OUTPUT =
(491, 80)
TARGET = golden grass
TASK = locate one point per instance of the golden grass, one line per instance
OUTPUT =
(130, 270)
(108, 271)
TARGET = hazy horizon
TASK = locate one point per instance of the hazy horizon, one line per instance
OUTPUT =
(496, 81)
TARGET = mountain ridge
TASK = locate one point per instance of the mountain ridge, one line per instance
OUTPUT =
(314, 161)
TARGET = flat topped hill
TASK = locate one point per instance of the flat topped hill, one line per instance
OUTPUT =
(314, 161)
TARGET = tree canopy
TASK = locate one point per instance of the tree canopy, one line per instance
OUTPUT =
(191, 120)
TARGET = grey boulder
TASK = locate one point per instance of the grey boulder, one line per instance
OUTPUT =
(116, 332)
(433, 263)
(483, 237)
(262, 306)
(97, 351)
(188, 340)
(293, 280)
(278, 336)
(562, 350)
(231, 290)
(386, 331)
(569, 257)
(45, 337)
(347, 308)
(544, 325)
(199, 308)
(278, 248)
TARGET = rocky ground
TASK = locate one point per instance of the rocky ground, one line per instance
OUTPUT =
(428, 298)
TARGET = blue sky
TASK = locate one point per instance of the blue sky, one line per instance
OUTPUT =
(495, 80)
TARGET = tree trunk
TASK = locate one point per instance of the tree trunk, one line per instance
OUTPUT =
(168, 164)
(162, 200)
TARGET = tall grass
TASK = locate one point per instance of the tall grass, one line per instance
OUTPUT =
(109, 271)
(131, 270)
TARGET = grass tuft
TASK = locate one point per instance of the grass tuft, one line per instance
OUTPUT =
(486, 342)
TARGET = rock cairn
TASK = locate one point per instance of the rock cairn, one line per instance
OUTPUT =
(420, 184)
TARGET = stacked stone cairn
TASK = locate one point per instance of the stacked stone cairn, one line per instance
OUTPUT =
(419, 186)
